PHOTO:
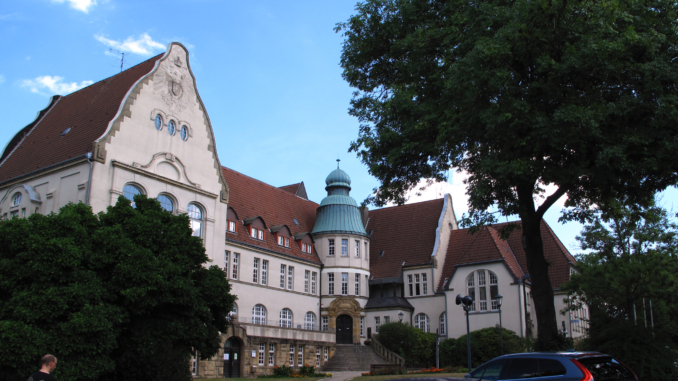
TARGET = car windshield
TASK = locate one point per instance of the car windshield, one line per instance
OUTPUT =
(606, 368)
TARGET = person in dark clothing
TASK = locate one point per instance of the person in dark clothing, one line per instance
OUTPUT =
(48, 364)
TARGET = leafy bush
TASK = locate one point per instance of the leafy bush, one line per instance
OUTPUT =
(484, 347)
(307, 370)
(387, 370)
(282, 371)
(413, 344)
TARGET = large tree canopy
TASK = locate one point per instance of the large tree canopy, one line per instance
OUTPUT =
(578, 95)
(122, 295)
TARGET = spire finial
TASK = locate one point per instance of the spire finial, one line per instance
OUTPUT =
(338, 160)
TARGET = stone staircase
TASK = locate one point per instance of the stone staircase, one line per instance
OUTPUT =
(352, 358)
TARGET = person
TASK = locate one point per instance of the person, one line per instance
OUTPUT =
(48, 364)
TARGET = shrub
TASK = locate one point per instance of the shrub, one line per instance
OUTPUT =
(413, 344)
(484, 347)
(307, 370)
(282, 371)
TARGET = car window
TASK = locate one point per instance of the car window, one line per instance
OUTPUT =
(478, 372)
(606, 368)
(548, 367)
(521, 368)
(493, 370)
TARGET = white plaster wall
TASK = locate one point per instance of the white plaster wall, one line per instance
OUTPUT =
(447, 224)
(322, 248)
(432, 306)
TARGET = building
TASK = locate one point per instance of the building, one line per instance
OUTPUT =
(308, 276)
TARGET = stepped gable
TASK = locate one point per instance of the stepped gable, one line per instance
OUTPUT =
(251, 198)
(486, 245)
(405, 233)
(87, 112)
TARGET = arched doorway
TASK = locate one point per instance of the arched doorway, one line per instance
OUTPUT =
(344, 329)
(232, 358)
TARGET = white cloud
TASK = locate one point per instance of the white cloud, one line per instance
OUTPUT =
(47, 85)
(2, 79)
(143, 45)
(81, 5)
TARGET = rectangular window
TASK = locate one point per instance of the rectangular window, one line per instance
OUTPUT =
(271, 354)
(194, 363)
(357, 249)
(287, 242)
(300, 356)
(330, 246)
(281, 240)
(264, 272)
(326, 351)
(324, 323)
(409, 283)
(283, 273)
(367, 253)
(367, 286)
(344, 283)
(416, 284)
(424, 284)
(344, 247)
(236, 256)
(227, 254)
(483, 298)
(262, 348)
(255, 272)
(307, 275)
(377, 323)
(290, 278)
(261, 234)
(254, 232)
(314, 277)
(362, 326)
(330, 283)
(309, 248)
(231, 226)
(317, 357)
(291, 355)
(303, 247)
(387, 319)
(357, 284)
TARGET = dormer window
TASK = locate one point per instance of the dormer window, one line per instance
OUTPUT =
(231, 226)
(257, 234)
(283, 241)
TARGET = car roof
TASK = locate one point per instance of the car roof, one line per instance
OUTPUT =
(565, 354)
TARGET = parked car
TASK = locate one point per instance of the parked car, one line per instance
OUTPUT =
(555, 366)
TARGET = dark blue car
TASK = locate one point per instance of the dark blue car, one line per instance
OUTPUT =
(555, 366)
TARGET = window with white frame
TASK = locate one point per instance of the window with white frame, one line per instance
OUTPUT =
(286, 318)
(309, 248)
(287, 242)
(344, 283)
(387, 319)
(421, 321)
(300, 355)
(494, 291)
(377, 323)
(290, 278)
(166, 202)
(255, 274)
(307, 276)
(262, 349)
(317, 357)
(259, 314)
(234, 267)
(326, 351)
(367, 253)
(231, 226)
(410, 284)
(330, 247)
(264, 272)
(357, 249)
(194, 363)
(480, 290)
(227, 255)
(362, 326)
(196, 215)
(309, 321)
(281, 240)
(424, 284)
(416, 285)
(283, 274)
(291, 355)
(271, 354)
(128, 191)
(471, 290)
(314, 277)
(443, 323)
(357, 284)
(344, 247)
(330, 283)
(257, 233)
(303, 247)
(324, 323)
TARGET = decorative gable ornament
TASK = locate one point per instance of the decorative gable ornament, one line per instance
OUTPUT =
(173, 82)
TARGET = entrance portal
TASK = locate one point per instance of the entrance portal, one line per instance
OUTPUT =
(232, 358)
(344, 329)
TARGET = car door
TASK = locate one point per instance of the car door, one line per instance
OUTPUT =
(489, 371)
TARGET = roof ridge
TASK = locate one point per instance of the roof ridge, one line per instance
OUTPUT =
(269, 185)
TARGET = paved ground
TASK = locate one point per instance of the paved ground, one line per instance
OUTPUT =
(342, 376)
(346, 376)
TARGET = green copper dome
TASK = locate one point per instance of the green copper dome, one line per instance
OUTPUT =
(338, 212)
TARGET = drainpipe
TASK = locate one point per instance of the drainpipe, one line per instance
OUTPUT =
(320, 298)
(89, 181)
(520, 310)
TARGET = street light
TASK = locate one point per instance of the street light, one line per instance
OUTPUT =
(501, 331)
(400, 316)
(466, 302)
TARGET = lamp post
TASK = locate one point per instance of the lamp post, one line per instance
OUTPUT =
(501, 330)
(466, 302)
(400, 316)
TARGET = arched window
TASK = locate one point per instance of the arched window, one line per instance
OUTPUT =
(196, 216)
(443, 323)
(166, 203)
(16, 199)
(480, 290)
(286, 318)
(259, 314)
(129, 191)
(309, 321)
(421, 321)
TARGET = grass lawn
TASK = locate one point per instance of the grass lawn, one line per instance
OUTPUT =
(399, 376)
(274, 379)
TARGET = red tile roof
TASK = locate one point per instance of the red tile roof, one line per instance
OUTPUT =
(251, 198)
(405, 233)
(486, 245)
(292, 188)
(87, 112)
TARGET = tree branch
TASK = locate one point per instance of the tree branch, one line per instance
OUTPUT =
(550, 200)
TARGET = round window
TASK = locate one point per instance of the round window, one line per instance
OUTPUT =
(184, 133)
(158, 122)
(171, 127)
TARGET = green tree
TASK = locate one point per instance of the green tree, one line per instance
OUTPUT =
(413, 344)
(577, 95)
(122, 295)
(633, 261)
(484, 347)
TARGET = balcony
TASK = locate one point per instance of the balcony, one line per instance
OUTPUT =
(285, 329)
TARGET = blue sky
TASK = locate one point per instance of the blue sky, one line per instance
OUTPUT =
(267, 71)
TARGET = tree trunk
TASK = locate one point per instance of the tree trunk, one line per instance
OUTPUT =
(542, 292)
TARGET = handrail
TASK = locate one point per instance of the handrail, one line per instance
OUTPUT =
(385, 353)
